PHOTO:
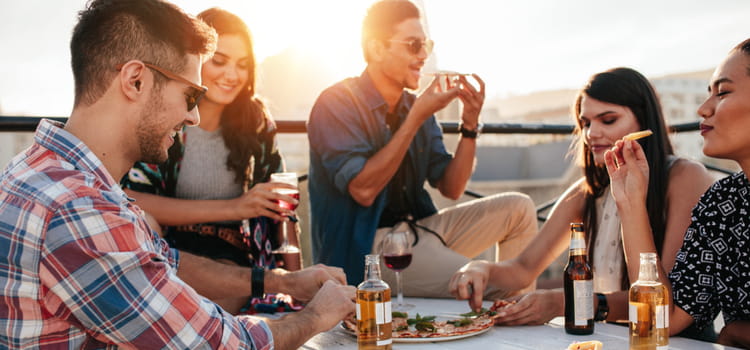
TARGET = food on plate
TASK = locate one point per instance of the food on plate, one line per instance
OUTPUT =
(404, 326)
(586, 345)
(638, 135)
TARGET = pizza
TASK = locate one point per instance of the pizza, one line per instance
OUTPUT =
(405, 326)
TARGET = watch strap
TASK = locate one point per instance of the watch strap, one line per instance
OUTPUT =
(472, 134)
(258, 282)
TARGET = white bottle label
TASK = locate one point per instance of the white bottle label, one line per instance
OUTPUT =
(384, 342)
(632, 313)
(662, 317)
(383, 312)
(583, 301)
(359, 311)
(577, 244)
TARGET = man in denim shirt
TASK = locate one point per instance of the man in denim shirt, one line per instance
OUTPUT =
(372, 147)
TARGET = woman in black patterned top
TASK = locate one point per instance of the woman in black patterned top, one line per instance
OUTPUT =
(712, 269)
(218, 173)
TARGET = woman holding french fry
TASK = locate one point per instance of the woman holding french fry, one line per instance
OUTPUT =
(613, 105)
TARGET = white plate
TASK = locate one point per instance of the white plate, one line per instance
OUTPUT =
(424, 339)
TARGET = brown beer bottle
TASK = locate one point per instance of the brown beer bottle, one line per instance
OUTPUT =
(373, 308)
(579, 286)
(649, 308)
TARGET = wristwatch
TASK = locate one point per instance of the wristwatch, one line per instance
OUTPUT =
(258, 285)
(472, 134)
(602, 309)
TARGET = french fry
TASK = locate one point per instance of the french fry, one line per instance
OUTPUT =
(637, 135)
(586, 345)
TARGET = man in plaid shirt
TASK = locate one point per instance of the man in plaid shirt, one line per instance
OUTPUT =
(80, 267)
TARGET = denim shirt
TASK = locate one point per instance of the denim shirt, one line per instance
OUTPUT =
(346, 127)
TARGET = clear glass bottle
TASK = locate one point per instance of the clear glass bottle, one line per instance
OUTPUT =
(578, 285)
(648, 308)
(373, 308)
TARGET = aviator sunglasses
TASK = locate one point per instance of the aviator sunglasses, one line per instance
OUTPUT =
(416, 45)
(193, 94)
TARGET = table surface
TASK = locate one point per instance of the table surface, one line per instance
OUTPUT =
(548, 336)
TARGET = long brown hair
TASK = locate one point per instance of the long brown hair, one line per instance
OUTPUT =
(244, 120)
(626, 87)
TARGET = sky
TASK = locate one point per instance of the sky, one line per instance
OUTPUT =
(517, 47)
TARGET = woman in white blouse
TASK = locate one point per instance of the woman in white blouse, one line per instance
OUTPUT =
(611, 105)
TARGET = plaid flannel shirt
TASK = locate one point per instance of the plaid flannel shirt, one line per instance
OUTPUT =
(80, 269)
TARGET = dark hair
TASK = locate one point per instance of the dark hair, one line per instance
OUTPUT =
(626, 87)
(111, 32)
(744, 47)
(244, 120)
(382, 18)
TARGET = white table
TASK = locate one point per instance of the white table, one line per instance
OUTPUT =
(550, 336)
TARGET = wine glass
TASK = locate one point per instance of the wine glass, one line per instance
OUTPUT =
(396, 251)
(288, 178)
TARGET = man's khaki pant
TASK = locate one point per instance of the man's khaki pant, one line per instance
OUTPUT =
(506, 221)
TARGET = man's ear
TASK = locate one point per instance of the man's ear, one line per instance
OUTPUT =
(376, 50)
(131, 79)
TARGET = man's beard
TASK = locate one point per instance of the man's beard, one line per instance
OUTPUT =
(149, 132)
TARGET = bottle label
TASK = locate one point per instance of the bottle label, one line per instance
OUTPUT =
(383, 312)
(662, 317)
(577, 244)
(384, 342)
(632, 312)
(583, 301)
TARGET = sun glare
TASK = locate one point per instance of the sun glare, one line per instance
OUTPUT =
(325, 31)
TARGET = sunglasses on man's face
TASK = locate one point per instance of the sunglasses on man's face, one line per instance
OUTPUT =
(193, 94)
(415, 45)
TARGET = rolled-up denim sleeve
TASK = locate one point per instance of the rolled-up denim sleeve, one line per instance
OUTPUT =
(338, 137)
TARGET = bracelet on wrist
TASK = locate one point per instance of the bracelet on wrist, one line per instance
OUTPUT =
(602, 309)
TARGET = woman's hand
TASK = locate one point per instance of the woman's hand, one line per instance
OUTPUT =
(628, 172)
(260, 200)
(533, 308)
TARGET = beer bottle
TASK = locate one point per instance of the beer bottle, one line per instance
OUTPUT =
(648, 308)
(373, 308)
(579, 285)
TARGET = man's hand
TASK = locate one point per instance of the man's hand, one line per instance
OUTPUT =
(332, 304)
(302, 285)
(433, 99)
(532, 308)
(470, 281)
(472, 99)
(736, 334)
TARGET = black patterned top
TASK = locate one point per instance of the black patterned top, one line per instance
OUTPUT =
(712, 271)
(161, 179)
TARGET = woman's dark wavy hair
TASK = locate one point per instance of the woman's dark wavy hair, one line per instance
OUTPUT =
(626, 87)
(744, 47)
(245, 120)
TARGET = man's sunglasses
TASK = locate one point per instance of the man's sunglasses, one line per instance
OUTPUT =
(194, 93)
(415, 45)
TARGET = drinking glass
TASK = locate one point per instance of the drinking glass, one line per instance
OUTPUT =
(288, 178)
(397, 255)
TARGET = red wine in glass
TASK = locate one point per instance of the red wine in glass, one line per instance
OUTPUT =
(397, 262)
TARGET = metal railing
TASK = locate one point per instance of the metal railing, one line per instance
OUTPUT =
(28, 124)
